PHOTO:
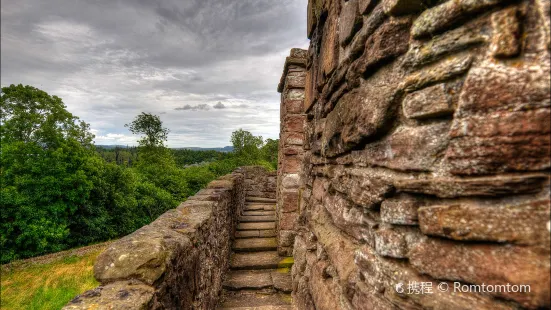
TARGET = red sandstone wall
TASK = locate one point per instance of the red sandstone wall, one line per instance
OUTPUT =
(291, 139)
(426, 154)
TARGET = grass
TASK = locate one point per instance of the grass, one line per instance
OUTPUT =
(50, 285)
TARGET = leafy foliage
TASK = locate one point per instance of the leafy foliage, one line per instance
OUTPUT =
(45, 160)
(270, 151)
(152, 127)
(59, 191)
(245, 144)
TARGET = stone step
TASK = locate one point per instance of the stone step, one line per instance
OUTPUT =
(258, 213)
(257, 218)
(256, 226)
(259, 260)
(240, 234)
(259, 207)
(282, 281)
(255, 244)
(255, 300)
(260, 199)
(279, 279)
(248, 279)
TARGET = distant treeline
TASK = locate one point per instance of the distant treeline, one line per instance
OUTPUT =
(60, 191)
(127, 156)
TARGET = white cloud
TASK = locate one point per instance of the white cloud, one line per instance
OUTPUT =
(183, 60)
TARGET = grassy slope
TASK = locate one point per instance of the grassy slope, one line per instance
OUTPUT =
(50, 285)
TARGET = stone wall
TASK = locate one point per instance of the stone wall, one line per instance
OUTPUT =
(291, 139)
(177, 261)
(426, 155)
(259, 182)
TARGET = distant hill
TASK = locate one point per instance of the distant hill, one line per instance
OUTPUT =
(218, 149)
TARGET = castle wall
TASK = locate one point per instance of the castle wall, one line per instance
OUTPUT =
(426, 155)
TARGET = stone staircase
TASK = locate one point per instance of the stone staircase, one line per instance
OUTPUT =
(258, 278)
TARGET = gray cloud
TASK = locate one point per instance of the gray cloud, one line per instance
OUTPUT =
(187, 107)
(108, 68)
(219, 105)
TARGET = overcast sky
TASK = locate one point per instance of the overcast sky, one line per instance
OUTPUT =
(207, 67)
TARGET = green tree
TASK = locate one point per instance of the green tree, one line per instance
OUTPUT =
(246, 145)
(155, 161)
(45, 163)
(270, 151)
(151, 127)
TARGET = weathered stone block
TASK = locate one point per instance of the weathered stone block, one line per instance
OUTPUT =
(294, 123)
(295, 81)
(293, 150)
(401, 7)
(326, 297)
(367, 192)
(292, 138)
(309, 90)
(384, 276)
(521, 224)
(294, 106)
(290, 201)
(505, 41)
(291, 180)
(329, 52)
(370, 24)
(143, 255)
(401, 209)
(333, 243)
(490, 186)
(349, 22)
(442, 16)
(311, 19)
(350, 218)
(291, 164)
(389, 41)
(286, 237)
(490, 264)
(501, 125)
(361, 113)
(117, 295)
(470, 35)
(298, 53)
(408, 148)
(396, 241)
(438, 72)
(319, 189)
(288, 221)
(294, 94)
(433, 101)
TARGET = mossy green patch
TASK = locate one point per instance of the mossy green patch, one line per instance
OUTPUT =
(287, 262)
(283, 270)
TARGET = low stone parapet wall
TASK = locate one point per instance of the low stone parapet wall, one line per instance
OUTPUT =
(259, 182)
(177, 261)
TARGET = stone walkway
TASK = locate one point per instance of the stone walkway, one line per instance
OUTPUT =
(258, 279)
